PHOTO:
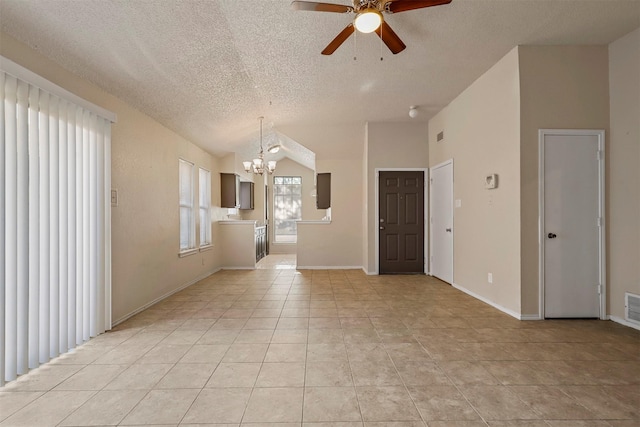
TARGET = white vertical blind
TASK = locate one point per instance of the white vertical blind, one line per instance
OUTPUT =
(34, 226)
(55, 216)
(2, 228)
(187, 214)
(204, 192)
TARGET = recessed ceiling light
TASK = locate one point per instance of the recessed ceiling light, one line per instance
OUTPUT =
(274, 149)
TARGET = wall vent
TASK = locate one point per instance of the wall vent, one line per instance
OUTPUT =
(632, 307)
(440, 136)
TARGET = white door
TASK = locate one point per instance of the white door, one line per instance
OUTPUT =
(572, 218)
(441, 230)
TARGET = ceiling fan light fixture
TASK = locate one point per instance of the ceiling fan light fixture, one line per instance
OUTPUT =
(368, 21)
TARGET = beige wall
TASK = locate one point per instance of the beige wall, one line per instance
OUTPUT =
(258, 212)
(623, 167)
(339, 150)
(338, 244)
(145, 229)
(482, 135)
(389, 145)
(365, 208)
(562, 87)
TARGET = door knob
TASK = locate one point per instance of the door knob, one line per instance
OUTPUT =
(552, 235)
(448, 230)
(381, 228)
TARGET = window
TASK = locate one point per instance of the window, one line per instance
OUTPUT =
(287, 207)
(205, 207)
(187, 214)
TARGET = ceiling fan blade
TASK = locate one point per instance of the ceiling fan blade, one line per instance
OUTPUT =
(404, 5)
(320, 7)
(390, 38)
(340, 38)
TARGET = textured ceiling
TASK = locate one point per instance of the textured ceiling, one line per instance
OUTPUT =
(207, 69)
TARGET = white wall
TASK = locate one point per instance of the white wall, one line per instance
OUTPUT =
(145, 228)
(482, 135)
(390, 145)
(623, 166)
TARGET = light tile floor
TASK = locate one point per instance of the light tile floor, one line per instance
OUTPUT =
(283, 348)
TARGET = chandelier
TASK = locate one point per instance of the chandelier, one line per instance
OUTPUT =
(258, 165)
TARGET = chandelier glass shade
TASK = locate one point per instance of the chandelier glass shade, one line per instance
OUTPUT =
(258, 166)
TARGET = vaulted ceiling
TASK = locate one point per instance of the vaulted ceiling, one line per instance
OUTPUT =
(208, 68)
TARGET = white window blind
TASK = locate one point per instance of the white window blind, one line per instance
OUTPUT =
(187, 214)
(55, 223)
(204, 187)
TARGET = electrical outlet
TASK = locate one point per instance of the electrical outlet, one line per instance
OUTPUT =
(490, 277)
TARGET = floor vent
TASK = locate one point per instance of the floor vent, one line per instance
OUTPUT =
(632, 307)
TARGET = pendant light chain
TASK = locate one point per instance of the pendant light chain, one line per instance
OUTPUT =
(261, 119)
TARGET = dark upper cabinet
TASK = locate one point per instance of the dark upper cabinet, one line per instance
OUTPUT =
(229, 190)
(246, 195)
(323, 191)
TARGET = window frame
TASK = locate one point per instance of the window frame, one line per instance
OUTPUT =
(293, 181)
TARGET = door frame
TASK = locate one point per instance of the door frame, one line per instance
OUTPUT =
(377, 213)
(439, 165)
(602, 256)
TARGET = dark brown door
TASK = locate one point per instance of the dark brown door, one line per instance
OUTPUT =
(401, 222)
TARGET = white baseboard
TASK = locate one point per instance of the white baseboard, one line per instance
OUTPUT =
(485, 300)
(237, 268)
(624, 322)
(530, 317)
(369, 273)
(160, 298)
(328, 267)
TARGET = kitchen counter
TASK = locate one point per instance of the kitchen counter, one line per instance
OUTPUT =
(239, 244)
(238, 222)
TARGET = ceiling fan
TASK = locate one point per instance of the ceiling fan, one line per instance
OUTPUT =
(368, 18)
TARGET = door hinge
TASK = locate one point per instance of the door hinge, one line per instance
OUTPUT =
(600, 154)
(599, 221)
(599, 289)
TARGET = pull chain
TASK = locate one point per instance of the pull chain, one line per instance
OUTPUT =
(381, 58)
(355, 44)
